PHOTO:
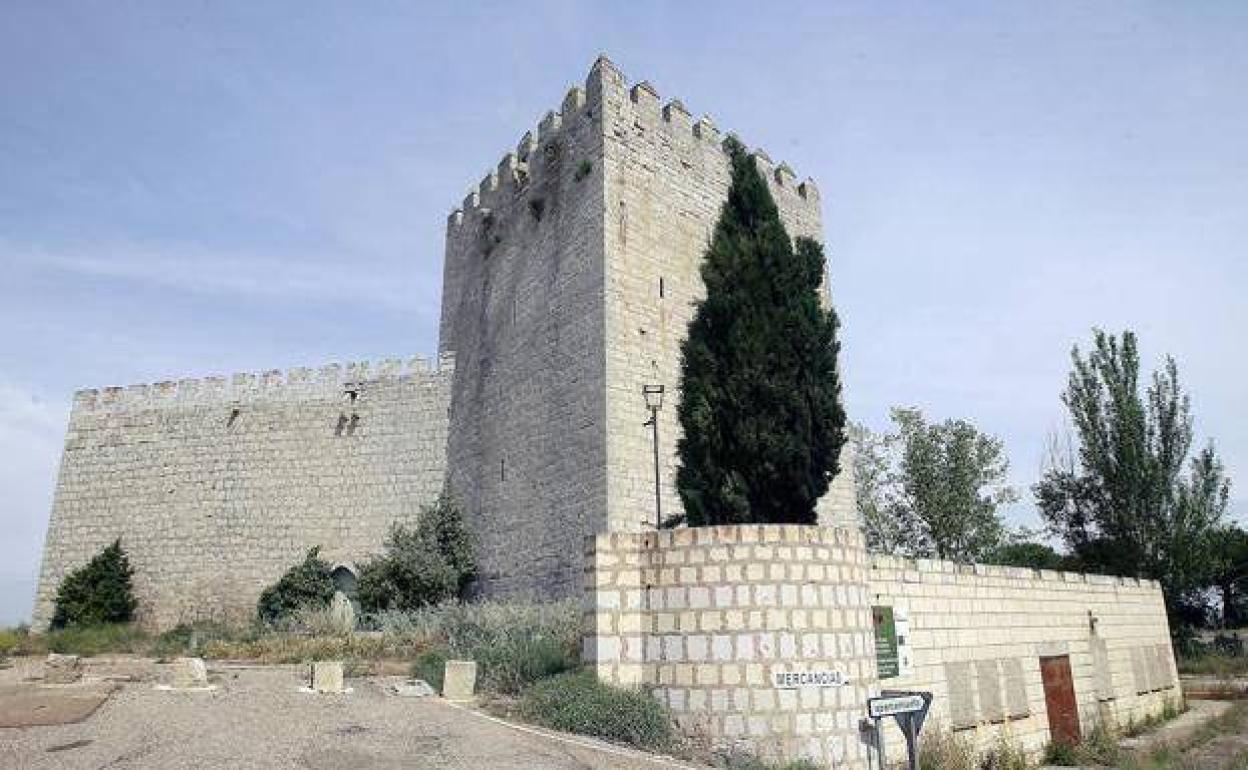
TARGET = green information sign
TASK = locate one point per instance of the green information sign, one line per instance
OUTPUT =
(887, 661)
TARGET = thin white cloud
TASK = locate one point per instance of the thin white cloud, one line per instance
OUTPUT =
(193, 269)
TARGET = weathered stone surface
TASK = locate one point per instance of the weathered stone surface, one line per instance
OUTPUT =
(460, 680)
(670, 612)
(190, 673)
(217, 487)
(414, 688)
(327, 676)
(566, 288)
(977, 635)
(62, 669)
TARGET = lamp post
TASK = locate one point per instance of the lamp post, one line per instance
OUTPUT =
(654, 402)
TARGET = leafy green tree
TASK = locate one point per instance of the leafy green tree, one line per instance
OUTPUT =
(953, 479)
(420, 566)
(760, 404)
(931, 490)
(889, 526)
(1229, 556)
(308, 584)
(100, 592)
(1029, 553)
(1123, 504)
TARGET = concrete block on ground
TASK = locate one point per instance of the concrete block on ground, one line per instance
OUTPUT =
(327, 676)
(459, 681)
(190, 673)
(62, 669)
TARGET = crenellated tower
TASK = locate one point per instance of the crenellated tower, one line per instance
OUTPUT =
(570, 278)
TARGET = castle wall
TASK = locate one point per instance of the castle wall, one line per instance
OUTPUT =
(522, 309)
(707, 618)
(667, 178)
(977, 633)
(217, 486)
(551, 303)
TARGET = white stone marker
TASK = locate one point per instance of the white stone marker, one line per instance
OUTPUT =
(62, 669)
(189, 673)
(459, 680)
(327, 676)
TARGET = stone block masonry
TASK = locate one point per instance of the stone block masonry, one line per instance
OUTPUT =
(570, 276)
(745, 632)
(217, 486)
(977, 635)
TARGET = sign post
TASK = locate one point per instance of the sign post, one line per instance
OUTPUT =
(909, 709)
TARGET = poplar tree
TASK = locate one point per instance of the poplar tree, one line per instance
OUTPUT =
(760, 392)
(1123, 503)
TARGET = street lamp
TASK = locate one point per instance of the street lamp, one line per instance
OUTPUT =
(654, 402)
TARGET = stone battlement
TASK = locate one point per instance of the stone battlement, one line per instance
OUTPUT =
(515, 171)
(914, 570)
(275, 385)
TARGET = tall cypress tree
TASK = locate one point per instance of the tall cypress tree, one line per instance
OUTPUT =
(760, 403)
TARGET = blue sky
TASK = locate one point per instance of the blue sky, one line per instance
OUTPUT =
(202, 188)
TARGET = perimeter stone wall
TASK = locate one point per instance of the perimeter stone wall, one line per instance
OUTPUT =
(706, 618)
(217, 486)
(977, 634)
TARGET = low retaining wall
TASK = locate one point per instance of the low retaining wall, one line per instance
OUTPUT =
(758, 636)
(977, 635)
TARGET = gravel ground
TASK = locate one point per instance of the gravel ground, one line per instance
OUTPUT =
(257, 718)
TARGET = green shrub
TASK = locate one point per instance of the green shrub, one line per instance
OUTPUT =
(942, 750)
(740, 759)
(1061, 753)
(514, 644)
(1005, 755)
(430, 666)
(429, 564)
(583, 170)
(577, 702)
(98, 593)
(514, 664)
(307, 584)
(97, 640)
(10, 640)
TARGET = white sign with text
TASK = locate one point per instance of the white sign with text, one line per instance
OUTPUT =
(792, 680)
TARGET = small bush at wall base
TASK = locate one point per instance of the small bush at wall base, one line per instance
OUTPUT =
(97, 640)
(943, 750)
(423, 566)
(1005, 755)
(517, 663)
(1061, 753)
(98, 593)
(307, 584)
(430, 666)
(577, 702)
(745, 760)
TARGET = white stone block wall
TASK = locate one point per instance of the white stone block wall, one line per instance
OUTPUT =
(217, 486)
(977, 634)
(703, 618)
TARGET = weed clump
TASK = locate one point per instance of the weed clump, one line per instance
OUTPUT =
(577, 702)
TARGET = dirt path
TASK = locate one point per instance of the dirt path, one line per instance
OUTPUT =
(258, 719)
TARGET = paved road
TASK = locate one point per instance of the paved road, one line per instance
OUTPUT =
(258, 719)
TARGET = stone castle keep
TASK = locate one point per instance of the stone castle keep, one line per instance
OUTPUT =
(570, 277)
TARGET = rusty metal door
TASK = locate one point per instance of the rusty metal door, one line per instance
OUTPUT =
(1059, 699)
